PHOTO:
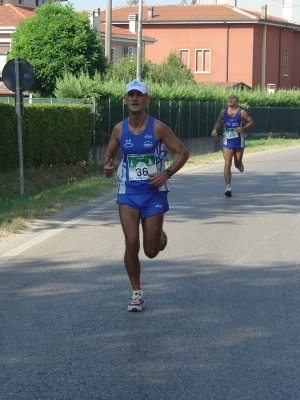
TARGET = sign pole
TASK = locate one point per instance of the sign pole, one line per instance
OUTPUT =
(139, 43)
(19, 124)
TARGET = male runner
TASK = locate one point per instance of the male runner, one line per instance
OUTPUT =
(236, 121)
(142, 181)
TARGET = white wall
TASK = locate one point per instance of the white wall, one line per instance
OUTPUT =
(2, 62)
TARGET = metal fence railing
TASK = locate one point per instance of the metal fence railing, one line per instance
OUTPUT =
(46, 100)
(194, 119)
(187, 119)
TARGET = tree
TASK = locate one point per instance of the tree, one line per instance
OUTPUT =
(58, 40)
(124, 70)
(171, 71)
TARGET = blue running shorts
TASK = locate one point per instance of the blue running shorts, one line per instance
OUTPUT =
(147, 204)
(235, 144)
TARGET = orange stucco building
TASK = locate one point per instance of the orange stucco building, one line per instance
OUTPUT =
(221, 43)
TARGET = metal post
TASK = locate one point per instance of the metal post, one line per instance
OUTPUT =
(108, 30)
(159, 109)
(139, 43)
(19, 124)
(109, 116)
(207, 118)
(199, 117)
(190, 117)
(94, 112)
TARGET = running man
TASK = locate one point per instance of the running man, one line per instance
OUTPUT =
(142, 181)
(236, 121)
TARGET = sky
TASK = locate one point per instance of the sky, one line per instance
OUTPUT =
(80, 5)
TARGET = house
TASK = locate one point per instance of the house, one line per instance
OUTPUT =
(123, 40)
(10, 17)
(221, 43)
(286, 9)
(28, 3)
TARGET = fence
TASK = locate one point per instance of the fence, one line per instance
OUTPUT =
(187, 119)
(195, 119)
(46, 100)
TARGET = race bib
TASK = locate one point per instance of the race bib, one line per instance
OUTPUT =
(230, 134)
(140, 165)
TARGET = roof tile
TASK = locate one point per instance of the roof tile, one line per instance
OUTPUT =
(11, 15)
(183, 12)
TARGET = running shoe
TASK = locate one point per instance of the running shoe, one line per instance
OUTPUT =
(137, 302)
(164, 240)
(228, 191)
(241, 169)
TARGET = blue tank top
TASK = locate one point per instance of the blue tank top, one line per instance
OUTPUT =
(230, 123)
(231, 138)
(141, 154)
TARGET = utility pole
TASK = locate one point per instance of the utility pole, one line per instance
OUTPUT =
(139, 43)
(108, 30)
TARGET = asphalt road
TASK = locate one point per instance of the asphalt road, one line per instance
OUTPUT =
(223, 300)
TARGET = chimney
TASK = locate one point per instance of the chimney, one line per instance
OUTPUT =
(150, 12)
(94, 17)
(133, 18)
(264, 12)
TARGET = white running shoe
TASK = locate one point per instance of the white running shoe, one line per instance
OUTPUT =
(164, 240)
(241, 169)
(137, 302)
(228, 191)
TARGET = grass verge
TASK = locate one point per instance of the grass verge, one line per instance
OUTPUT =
(49, 190)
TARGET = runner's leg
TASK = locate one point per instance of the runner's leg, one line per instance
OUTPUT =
(227, 154)
(130, 220)
(152, 228)
(238, 158)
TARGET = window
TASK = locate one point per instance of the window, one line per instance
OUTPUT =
(285, 63)
(203, 60)
(184, 55)
(4, 47)
(23, 2)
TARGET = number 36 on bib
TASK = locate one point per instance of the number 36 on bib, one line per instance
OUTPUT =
(140, 165)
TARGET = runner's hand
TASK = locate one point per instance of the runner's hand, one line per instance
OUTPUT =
(240, 129)
(109, 169)
(158, 179)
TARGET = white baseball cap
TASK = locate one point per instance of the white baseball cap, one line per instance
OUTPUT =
(137, 85)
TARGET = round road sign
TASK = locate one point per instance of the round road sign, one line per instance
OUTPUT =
(26, 74)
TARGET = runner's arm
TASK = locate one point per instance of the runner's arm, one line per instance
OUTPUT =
(218, 123)
(111, 152)
(164, 134)
(247, 122)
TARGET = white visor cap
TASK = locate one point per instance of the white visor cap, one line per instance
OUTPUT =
(137, 85)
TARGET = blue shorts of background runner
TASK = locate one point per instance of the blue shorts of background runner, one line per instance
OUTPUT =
(234, 144)
(148, 204)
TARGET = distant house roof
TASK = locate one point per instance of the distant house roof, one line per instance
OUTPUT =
(4, 90)
(124, 33)
(11, 15)
(195, 13)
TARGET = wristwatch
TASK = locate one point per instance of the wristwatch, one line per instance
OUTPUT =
(169, 172)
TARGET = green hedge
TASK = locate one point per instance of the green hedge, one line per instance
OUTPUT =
(8, 138)
(52, 135)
